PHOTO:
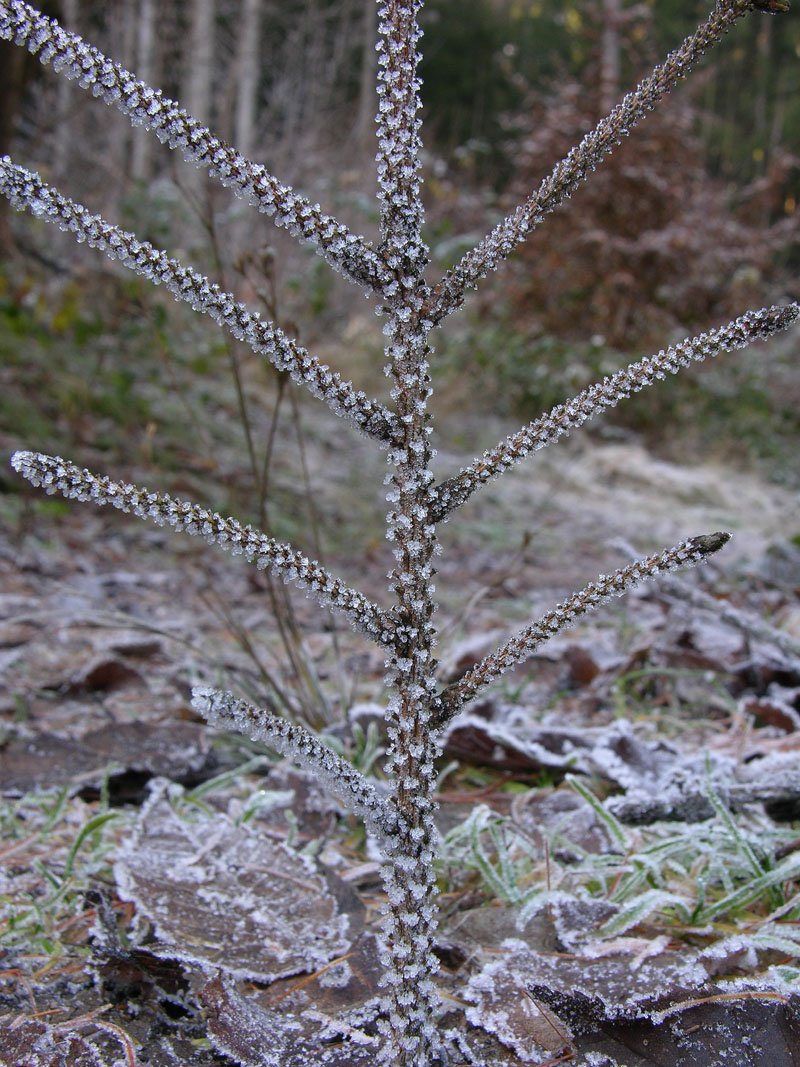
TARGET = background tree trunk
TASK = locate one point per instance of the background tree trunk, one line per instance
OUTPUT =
(610, 55)
(247, 71)
(141, 157)
(367, 104)
(199, 61)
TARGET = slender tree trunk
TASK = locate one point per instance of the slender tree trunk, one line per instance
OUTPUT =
(65, 135)
(198, 73)
(141, 159)
(247, 69)
(609, 55)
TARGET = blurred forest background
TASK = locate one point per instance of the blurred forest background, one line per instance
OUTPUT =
(691, 222)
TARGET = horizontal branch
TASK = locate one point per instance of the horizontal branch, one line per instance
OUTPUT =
(26, 190)
(525, 643)
(585, 157)
(752, 326)
(70, 54)
(338, 776)
(58, 475)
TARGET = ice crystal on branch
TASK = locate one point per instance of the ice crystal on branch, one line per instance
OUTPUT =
(26, 189)
(399, 142)
(58, 475)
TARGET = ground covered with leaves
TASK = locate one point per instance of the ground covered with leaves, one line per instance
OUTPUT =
(620, 820)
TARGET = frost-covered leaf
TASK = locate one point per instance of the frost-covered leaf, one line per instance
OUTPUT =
(176, 750)
(640, 1010)
(32, 1043)
(257, 1037)
(222, 895)
(344, 985)
(514, 742)
(607, 987)
(745, 1031)
(501, 1006)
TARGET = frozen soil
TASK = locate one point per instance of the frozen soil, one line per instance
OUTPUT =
(104, 626)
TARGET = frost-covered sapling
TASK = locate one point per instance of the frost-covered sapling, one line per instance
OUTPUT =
(394, 273)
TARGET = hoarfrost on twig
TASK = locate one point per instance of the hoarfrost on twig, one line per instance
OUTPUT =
(59, 475)
(70, 54)
(523, 644)
(340, 778)
(25, 189)
(752, 326)
(576, 167)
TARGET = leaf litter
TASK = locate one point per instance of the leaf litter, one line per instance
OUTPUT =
(656, 721)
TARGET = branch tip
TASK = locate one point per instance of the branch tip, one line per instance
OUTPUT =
(707, 544)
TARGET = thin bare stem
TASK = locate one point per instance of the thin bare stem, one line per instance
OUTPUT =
(26, 190)
(70, 54)
(58, 475)
(523, 644)
(752, 326)
(340, 778)
(585, 157)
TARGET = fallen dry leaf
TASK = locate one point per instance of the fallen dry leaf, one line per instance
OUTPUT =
(225, 896)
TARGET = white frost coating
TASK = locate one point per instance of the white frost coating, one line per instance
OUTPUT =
(59, 475)
(292, 740)
(45, 38)
(25, 188)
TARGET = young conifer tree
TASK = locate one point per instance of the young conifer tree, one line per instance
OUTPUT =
(394, 273)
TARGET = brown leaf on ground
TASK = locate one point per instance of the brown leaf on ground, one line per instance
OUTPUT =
(745, 1031)
(177, 750)
(31, 1043)
(255, 1037)
(223, 895)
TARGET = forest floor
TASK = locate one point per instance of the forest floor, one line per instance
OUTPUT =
(643, 769)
